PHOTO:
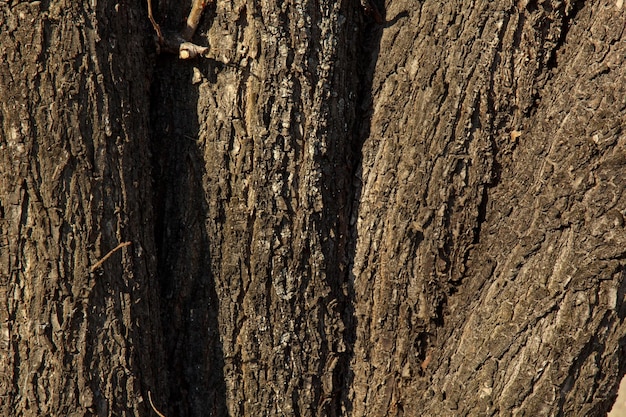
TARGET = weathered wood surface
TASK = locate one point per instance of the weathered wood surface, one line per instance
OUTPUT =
(328, 216)
(74, 183)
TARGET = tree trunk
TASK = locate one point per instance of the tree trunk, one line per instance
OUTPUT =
(489, 264)
(254, 171)
(77, 338)
(353, 209)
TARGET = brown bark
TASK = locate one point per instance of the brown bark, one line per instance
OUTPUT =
(254, 179)
(328, 215)
(74, 183)
(489, 269)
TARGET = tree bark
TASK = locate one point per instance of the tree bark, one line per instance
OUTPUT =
(489, 264)
(344, 208)
(75, 183)
(254, 175)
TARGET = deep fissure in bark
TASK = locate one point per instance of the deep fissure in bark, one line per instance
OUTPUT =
(332, 216)
(568, 12)
(189, 302)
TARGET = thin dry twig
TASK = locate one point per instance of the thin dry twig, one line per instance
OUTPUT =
(155, 25)
(108, 255)
(153, 407)
(179, 43)
(194, 18)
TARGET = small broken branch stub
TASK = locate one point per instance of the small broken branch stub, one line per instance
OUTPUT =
(180, 43)
(175, 44)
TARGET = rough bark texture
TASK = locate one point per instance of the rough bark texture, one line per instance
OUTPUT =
(489, 269)
(255, 177)
(75, 182)
(329, 216)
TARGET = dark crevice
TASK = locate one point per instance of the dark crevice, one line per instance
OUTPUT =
(366, 47)
(569, 12)
(551, 45)
(189, 302)
(594, 348)
(482, 214)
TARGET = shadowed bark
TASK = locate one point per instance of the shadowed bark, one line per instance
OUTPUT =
(346, 208)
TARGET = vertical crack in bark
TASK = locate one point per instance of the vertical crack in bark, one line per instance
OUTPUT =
(568, 12)
(369, 48)
(194, 372)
